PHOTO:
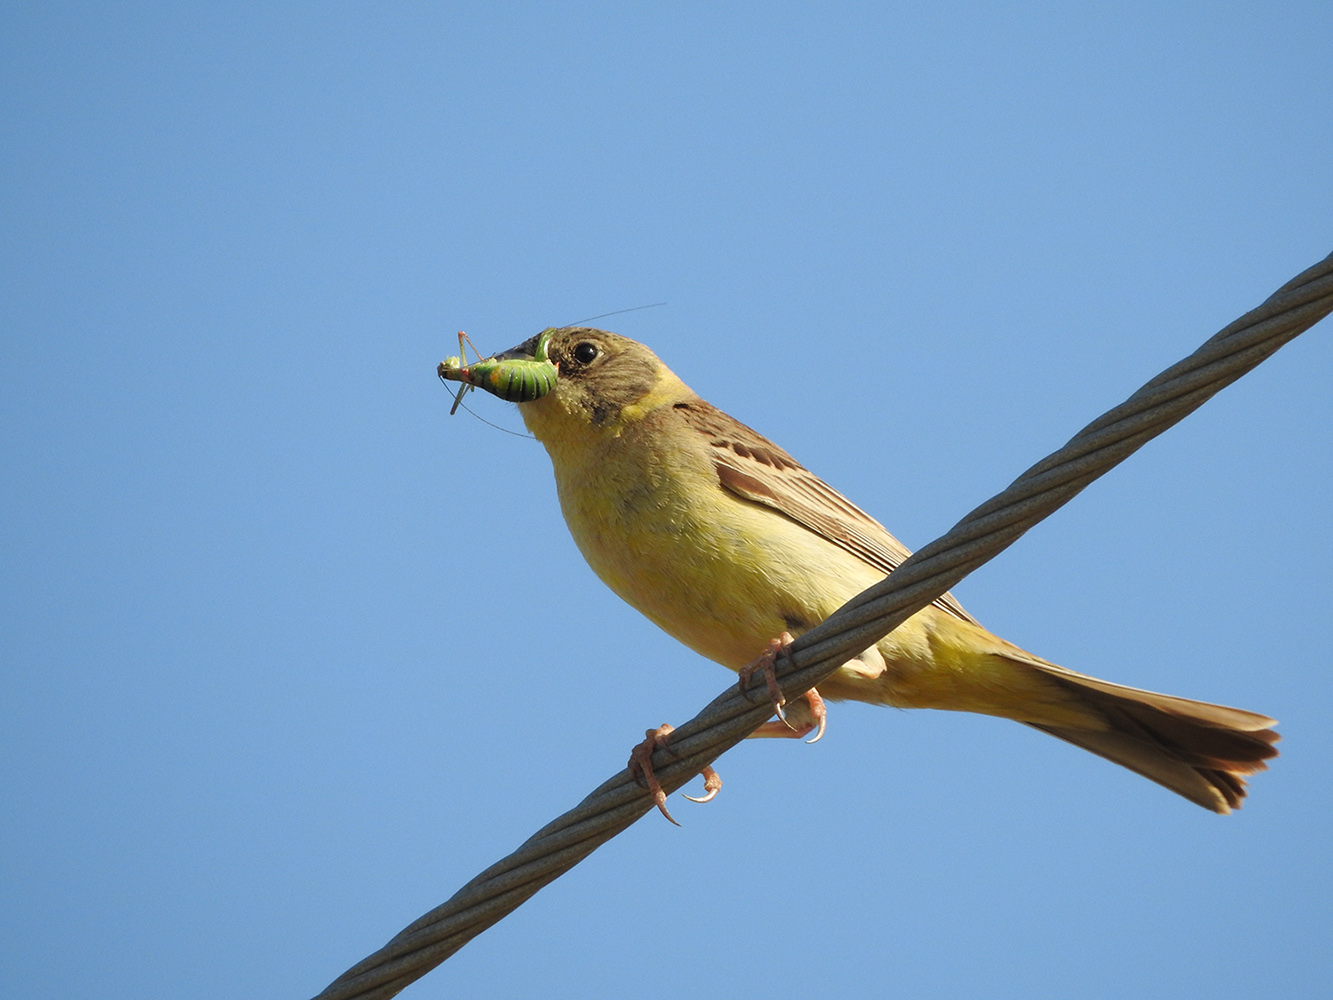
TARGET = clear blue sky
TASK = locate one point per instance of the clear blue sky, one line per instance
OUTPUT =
(289, 654)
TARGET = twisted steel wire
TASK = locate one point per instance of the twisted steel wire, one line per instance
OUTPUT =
(860, 623)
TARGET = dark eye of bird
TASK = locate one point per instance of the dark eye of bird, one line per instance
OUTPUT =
(585, 352)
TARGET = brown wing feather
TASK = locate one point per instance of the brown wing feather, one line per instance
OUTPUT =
(755, 469)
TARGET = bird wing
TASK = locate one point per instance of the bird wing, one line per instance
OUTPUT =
(755, 469)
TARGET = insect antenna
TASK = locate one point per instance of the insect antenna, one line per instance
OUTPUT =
(651, 305)
(506, 430)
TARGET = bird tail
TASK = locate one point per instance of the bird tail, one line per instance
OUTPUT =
(1199, 750)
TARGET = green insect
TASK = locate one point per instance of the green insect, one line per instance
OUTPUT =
(517, 380)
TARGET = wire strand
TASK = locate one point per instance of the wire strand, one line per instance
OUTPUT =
(927, 574)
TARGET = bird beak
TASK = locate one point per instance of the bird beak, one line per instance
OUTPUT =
(526, 351)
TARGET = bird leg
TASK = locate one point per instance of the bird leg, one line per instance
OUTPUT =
(766, 663)
(641, 766)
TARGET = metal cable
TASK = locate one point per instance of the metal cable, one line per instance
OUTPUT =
(860, 623)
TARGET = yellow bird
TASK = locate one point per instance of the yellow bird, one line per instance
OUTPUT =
(723, 540)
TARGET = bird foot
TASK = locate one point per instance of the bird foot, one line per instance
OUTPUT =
(817, 721)
(766, 663)
(641, 766)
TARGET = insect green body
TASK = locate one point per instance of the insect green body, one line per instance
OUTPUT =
(517, 380)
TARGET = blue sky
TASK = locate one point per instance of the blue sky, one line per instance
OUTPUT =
(288, 654)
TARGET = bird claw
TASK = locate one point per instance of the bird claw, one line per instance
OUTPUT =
(712, 785)
(820, 714)
(765, 663)
(818, 717)
(641, 766)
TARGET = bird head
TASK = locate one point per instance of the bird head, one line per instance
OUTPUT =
(575, 376)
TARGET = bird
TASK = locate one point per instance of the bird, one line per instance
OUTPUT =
(724, 541)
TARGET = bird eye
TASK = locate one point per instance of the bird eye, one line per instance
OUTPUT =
(585, 352)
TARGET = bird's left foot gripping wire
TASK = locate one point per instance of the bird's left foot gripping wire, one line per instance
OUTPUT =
(766, 663)
(641, 766)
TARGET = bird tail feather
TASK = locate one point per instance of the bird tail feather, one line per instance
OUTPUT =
(1199, 750)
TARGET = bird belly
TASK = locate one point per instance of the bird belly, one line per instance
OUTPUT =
(722, 576)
